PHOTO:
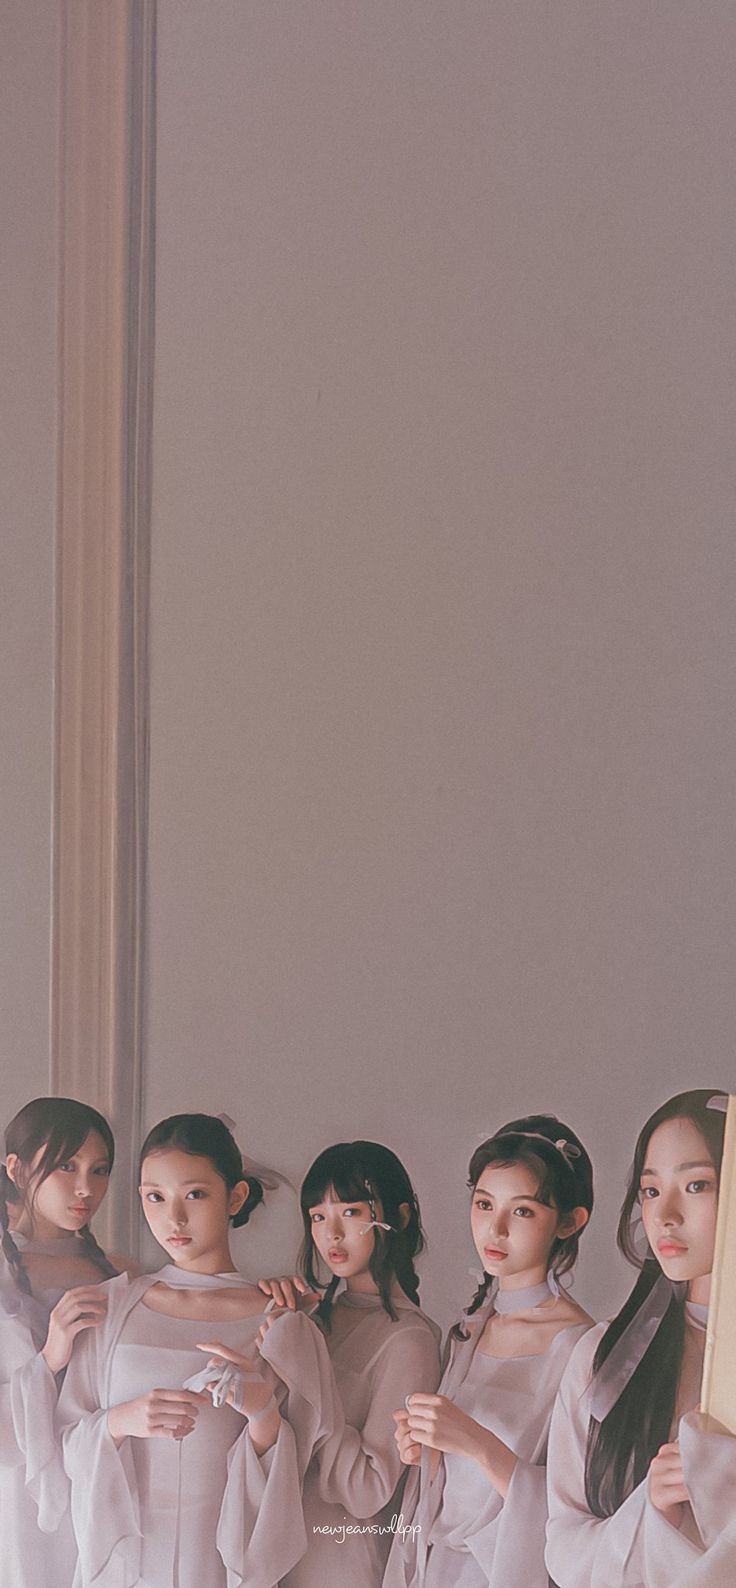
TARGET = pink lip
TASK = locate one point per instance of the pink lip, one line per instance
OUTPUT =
(337, 1256)
(493, 1253)
(79, 1210)
(670, 1248)
(179, 1240)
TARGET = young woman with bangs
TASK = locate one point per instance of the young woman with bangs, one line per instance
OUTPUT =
(371, 1344)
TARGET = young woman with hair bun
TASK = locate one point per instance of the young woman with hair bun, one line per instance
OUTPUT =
(168, 1489)
(642, 1491)
(58, 1158)
(475, 1503)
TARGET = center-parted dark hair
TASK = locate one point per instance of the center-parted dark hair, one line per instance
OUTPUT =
(205, 1136)
(57, 1127)
(563, 1182)
(621, 1447)
(364, 1171)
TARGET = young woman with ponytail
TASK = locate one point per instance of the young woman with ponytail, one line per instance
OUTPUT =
(475, 1504)
(370, 1346)
(642, 1494)
(167, 1486)
(58, 1158)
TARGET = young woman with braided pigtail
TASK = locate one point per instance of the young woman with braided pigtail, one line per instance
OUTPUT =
(475, 1503)
(58, 1158)
(372, 1345)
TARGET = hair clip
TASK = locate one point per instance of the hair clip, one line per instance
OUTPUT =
(719, 1103)
(371, 1201)
(375, 1224)
(567, 1148)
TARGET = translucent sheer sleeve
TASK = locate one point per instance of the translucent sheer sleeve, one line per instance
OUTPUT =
(28, 1440)
(104, 1499)
(636, 1547)
(672, 1560)
(360, 1468)
(261, 1533)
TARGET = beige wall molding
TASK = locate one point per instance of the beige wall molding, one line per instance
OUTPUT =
(106, 304)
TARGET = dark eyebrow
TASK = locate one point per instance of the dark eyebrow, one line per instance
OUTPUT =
(680, 1168)
(72, 1157)
(154, 1185)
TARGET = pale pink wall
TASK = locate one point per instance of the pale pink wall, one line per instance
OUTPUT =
(443, 761)
(28, 181)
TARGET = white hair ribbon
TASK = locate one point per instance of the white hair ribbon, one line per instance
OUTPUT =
(270, 1179)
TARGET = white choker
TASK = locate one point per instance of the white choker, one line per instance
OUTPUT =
(521, 1300)
(187, 1279)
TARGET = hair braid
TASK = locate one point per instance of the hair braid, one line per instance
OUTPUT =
(459, 1331)
(10, 1250)
(95, 1253)
(324, 1310)
(405, 1271)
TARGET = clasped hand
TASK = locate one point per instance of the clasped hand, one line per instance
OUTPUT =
(668, 1491)
(436, 1422)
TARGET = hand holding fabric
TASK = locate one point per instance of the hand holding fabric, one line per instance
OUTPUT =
(435, 1421)
(85, 1307)
(159, 1414)
(409, 1450)
(292, 1294)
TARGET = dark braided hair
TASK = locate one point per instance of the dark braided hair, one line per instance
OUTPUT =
(206, 1136)
(364, 1171)
(56, 1127)
(621, 1447)
(564, 1182)
(94, 1252)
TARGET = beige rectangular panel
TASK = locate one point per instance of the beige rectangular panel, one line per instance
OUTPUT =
(101, 574)
(719, 1372)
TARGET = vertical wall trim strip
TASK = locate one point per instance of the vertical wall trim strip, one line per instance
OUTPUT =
(105, 403)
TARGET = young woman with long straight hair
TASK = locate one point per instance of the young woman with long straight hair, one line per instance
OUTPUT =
(642, 1494)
